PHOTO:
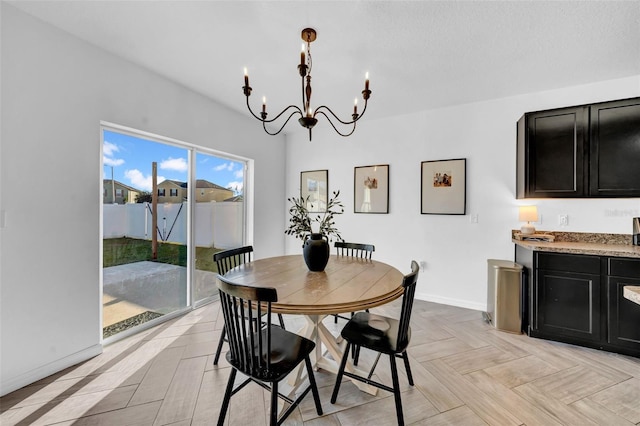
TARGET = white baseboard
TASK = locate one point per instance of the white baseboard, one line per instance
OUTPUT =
(22, 380)
(452, 302)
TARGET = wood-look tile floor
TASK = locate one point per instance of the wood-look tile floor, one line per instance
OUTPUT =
(465, 372)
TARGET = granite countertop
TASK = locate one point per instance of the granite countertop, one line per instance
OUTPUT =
(632, 293)
(615, 245)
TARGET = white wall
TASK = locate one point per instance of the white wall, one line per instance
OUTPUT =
(55, 91)
(484, 133)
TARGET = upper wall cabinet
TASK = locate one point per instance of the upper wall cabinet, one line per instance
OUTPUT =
(580, 152)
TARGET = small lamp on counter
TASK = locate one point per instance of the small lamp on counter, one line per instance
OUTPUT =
(528, 214)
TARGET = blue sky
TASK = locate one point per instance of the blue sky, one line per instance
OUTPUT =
(131, 159)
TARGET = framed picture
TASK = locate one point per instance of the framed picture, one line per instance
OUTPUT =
(371, 189)
(315, 185)
(443, 186)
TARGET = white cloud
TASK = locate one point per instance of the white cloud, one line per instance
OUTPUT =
(138, 180)
(235, 186)
(109, 150)
(114, 162)
(224, 166)
(238, 174)
(176, 164)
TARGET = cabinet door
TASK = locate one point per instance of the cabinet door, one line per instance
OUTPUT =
(615, 149)
(556, 153)
(623, 314)
(568, 304)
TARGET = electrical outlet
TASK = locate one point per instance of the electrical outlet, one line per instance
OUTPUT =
(563, 220)
(423, 265)
(474, 218)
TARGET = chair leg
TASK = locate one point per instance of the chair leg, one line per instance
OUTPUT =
(281, 321)
(312, 383)
(405, 356)
(273, 415)
(227, 397)
(343, 364)
(220, 343)
(396, 389)
(335, 319)
(356, 355)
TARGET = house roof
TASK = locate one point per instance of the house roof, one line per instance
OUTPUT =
(130, 188)
(200, 183)
(175, 183)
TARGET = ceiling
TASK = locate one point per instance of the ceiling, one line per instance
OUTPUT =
(420, 54)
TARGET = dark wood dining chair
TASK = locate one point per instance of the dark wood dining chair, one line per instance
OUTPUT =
(354, 249)
(265, 354)
(363, 251)
(383, 335)
(225, 261)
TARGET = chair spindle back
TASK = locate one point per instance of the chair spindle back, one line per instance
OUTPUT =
(409, 283)
(249, 341)
(354, 249)
(229, 259)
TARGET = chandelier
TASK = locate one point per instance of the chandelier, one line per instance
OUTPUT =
(307, 113)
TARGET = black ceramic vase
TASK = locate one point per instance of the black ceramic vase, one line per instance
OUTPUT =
(316, 252)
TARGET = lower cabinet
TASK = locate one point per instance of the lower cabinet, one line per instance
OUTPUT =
(569, 304)
(578, 299)
(623, 317)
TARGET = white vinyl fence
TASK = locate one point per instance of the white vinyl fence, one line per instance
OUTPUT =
(217, 225)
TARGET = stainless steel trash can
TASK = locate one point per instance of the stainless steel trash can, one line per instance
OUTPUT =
(504, 295)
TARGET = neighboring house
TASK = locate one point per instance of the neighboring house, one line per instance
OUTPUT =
(173, 191)
(118, 191)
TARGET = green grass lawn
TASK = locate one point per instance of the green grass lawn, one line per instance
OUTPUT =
(120, 251)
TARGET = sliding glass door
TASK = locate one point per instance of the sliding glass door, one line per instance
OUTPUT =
(144, 239)
(218, 216)
(167, 207)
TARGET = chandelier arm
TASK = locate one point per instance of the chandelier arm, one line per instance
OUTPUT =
(333, 125)
(295, 107)
(264, 126)
(320, 108)
(297, 110)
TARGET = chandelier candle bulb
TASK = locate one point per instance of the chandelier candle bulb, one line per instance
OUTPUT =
(355, 106)
(264, 104)
(302, 58)
(246, 77)
(366, 81)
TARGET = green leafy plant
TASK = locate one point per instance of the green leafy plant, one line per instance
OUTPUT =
(301, 222)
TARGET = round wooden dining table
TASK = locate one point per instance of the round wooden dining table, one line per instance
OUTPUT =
(347, 284)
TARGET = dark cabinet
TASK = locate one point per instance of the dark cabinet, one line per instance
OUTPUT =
(582, 151)
(614, 156)
(623, 314)
(568, 296)
(578, 299)
(555, 153)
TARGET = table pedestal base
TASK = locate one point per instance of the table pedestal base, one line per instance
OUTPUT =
(315, 330)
